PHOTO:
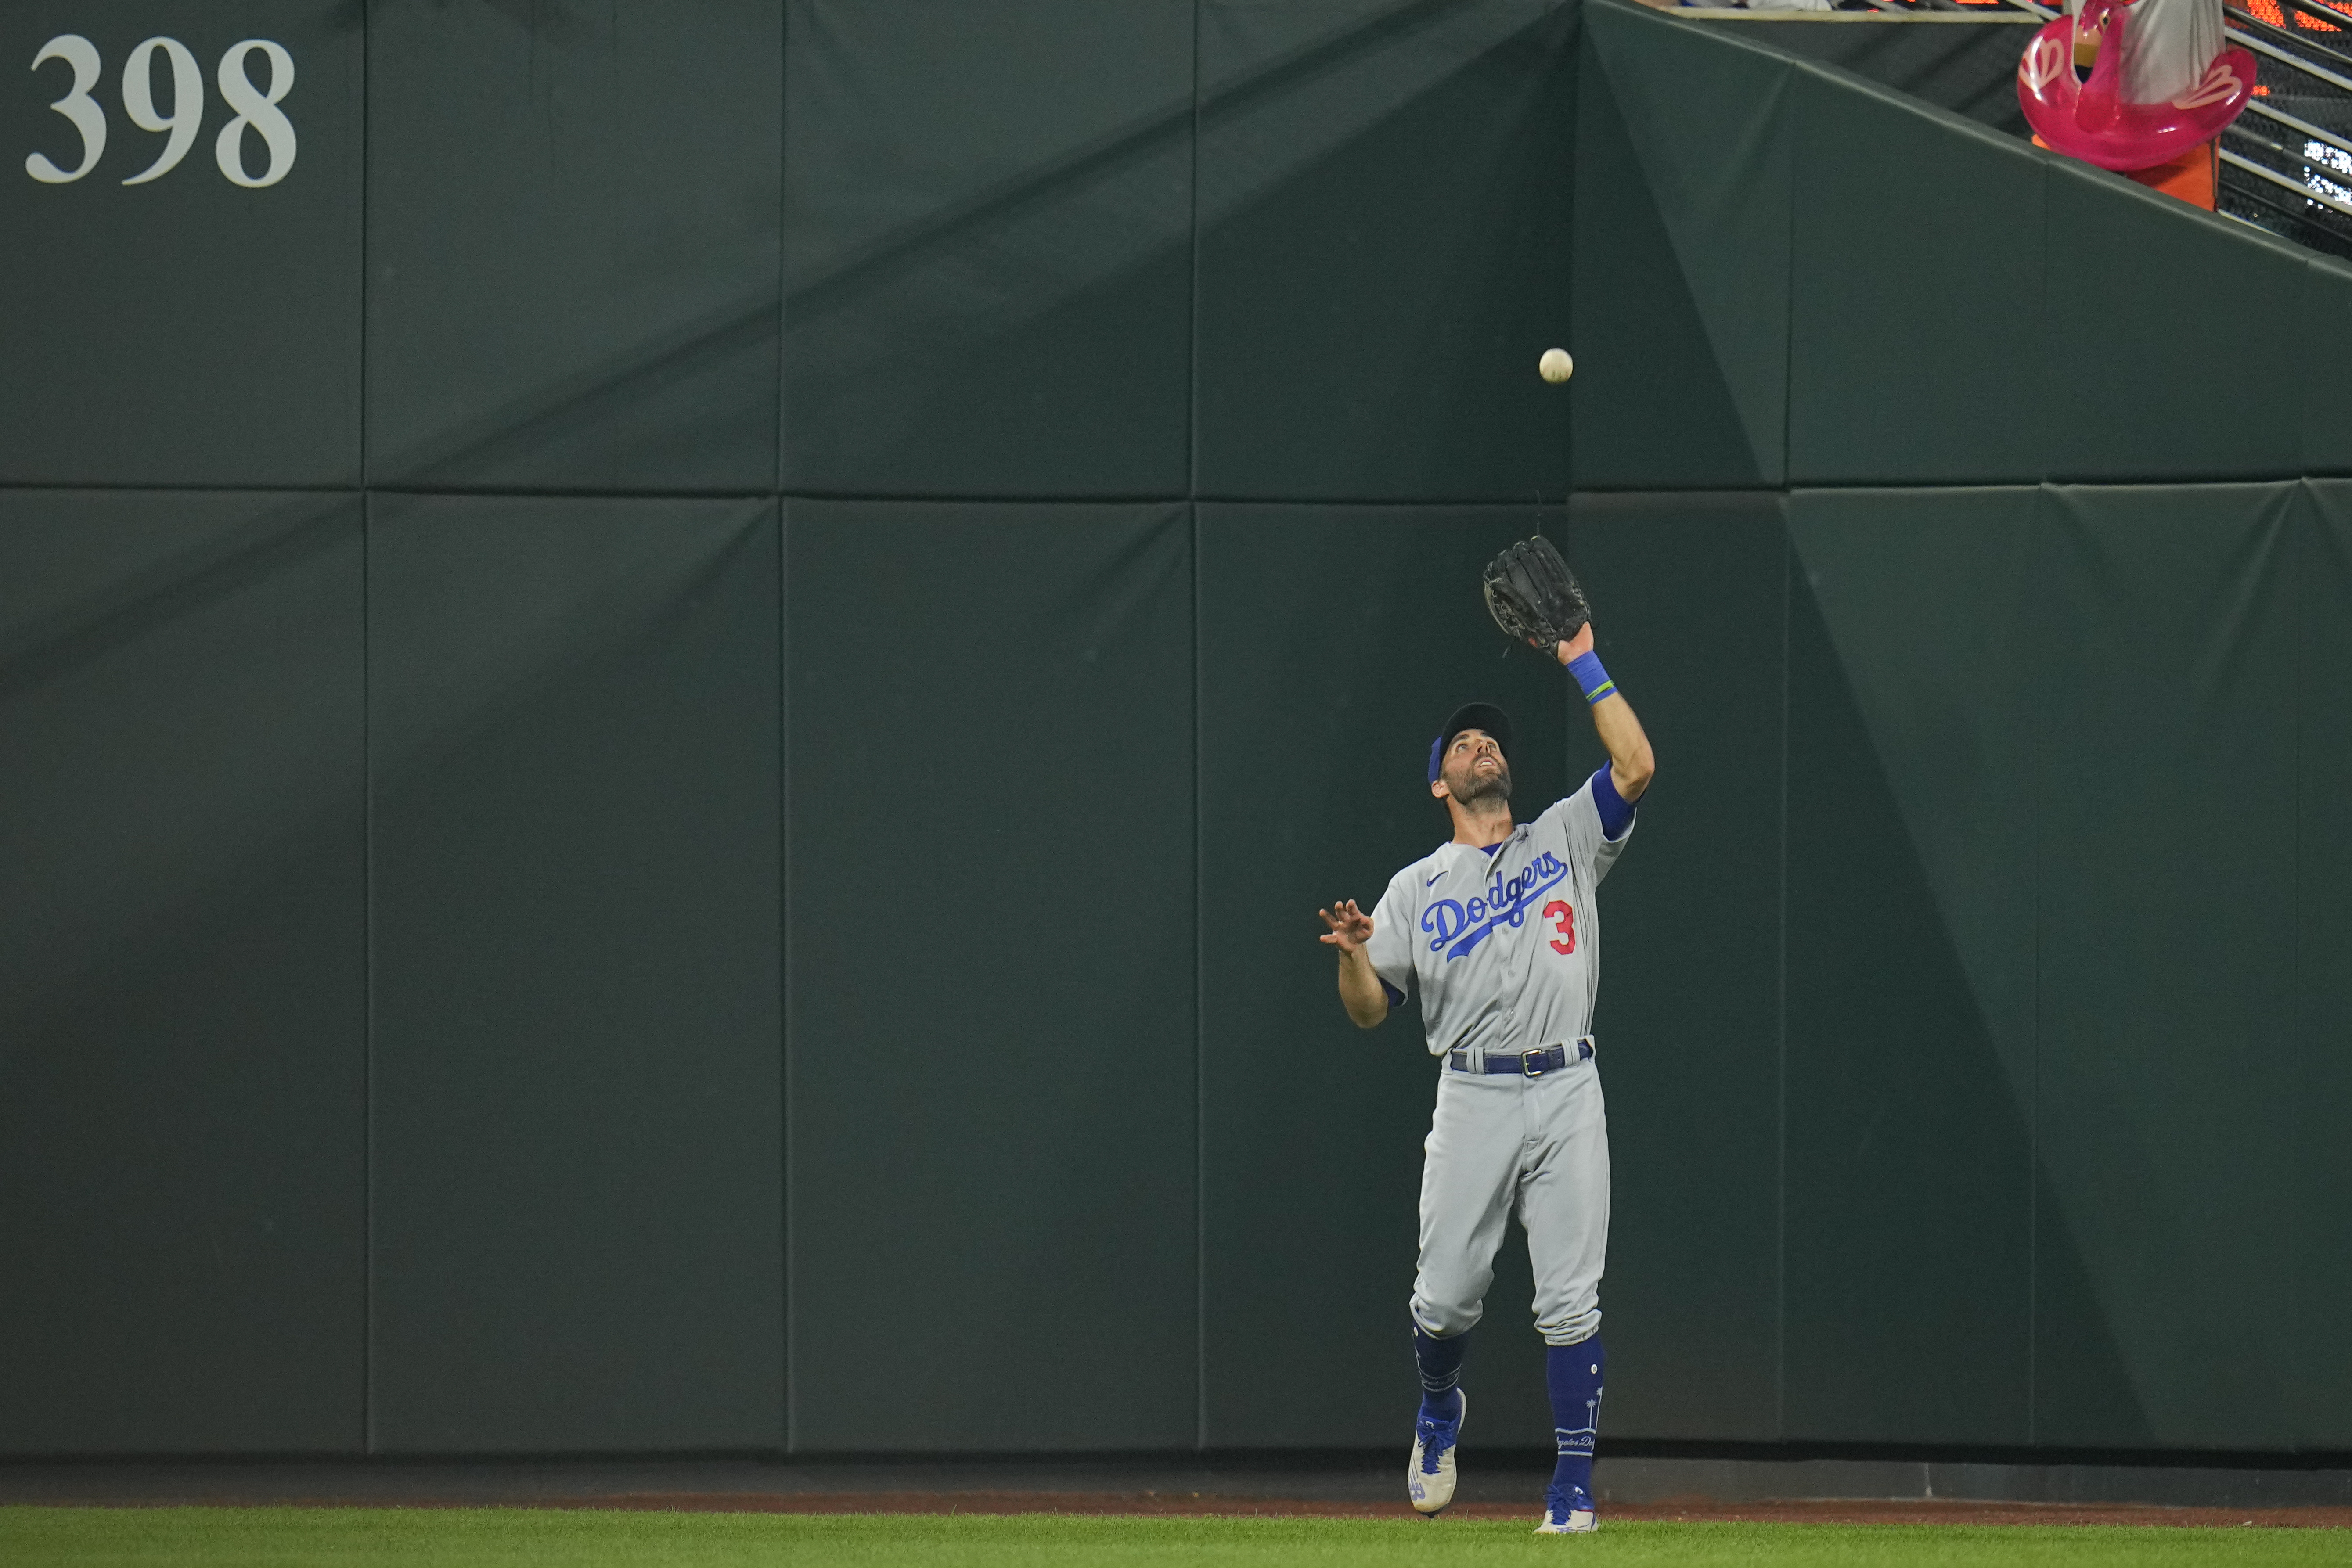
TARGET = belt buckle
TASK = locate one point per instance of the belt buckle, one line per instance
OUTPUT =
(1531, 1060)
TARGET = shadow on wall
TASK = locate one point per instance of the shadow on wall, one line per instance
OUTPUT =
(194, 681)
(988, 274)
(2066, 693)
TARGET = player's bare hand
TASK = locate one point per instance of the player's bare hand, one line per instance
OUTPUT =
(1575, 646)
(1351, 927)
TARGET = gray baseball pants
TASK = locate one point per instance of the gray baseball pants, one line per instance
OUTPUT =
(1502, 1142)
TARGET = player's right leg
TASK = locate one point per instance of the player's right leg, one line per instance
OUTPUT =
(1467, 1176)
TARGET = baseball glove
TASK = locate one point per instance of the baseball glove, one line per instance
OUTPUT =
(1533, 596)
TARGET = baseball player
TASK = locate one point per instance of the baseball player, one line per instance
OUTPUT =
(1500, 932)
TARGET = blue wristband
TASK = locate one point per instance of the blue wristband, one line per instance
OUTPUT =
(1586, 668)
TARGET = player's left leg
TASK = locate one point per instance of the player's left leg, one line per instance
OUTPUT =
(1468, 1173)
(1564, 1207)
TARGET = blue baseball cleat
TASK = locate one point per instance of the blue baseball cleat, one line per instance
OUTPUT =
(1568, 1513)
(1429, 1478)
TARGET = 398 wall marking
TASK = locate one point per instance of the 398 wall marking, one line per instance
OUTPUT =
(256, 109)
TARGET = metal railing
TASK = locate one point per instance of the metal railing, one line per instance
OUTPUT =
(2286, 163)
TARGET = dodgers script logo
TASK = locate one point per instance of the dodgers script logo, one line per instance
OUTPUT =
(1506, 904)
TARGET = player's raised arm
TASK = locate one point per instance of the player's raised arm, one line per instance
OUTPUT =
(1533, 598)
(1360, 984)
(1630, 763)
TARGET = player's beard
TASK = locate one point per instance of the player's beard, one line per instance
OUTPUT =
(1475, 786)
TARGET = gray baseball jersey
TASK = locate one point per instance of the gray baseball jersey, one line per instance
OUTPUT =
(1506, 953)
(1505, 950)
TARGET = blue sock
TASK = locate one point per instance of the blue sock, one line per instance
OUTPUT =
(1574, 1373)
(1441, 1372)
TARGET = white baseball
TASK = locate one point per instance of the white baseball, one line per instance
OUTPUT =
(1556, 365)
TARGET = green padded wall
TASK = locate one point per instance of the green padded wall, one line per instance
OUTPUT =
(2019, 1038)
(183, 973)
(2167, 940)
(991, 1065)
(1689, 604)
(576, 1189)
(1319, 700)
(566, 288)
(1915, 316)
(988, 248)
(1682, 258)
(2324, 392)
(1384, 248)
(1910, 891)
(2147, 373)
(2320, 1401)
(1965, 61)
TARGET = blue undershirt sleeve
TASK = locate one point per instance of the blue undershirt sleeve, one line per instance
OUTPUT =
(1616, 811)
(1396, 998)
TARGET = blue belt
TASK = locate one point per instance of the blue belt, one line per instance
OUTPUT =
(1533, 1063)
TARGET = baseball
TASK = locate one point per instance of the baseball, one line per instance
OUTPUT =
(1555, 365)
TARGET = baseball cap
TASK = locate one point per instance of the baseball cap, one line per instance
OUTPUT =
(1471, 716)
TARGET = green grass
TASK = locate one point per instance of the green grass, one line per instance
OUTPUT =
(540, 1537)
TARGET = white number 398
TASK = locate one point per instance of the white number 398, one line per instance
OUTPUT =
(256, 109)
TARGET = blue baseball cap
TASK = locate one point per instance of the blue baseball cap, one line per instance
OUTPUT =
(1471, 716)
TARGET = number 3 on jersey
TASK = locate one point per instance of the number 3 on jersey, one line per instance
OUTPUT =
(1563, 914)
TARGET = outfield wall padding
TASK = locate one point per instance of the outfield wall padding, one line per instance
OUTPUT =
(671, 726)
(574, 1225)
